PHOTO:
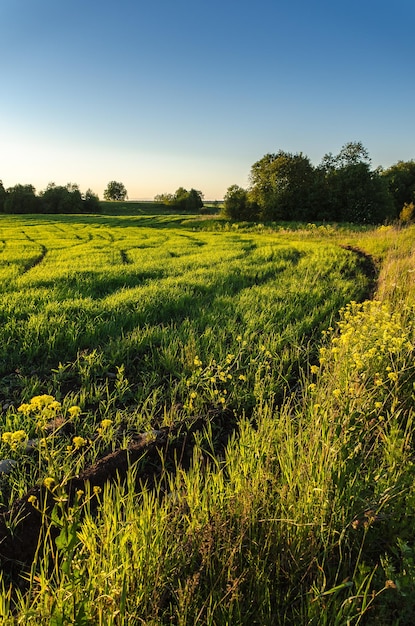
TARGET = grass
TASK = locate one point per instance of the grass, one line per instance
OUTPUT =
(303, 512)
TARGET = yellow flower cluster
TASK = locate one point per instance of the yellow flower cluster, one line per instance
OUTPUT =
(79, 442)
(374, 347)
(45, 407)
(368, 333)
(14, 439)
(105, 427)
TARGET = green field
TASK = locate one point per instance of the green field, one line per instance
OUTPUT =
(284, 491)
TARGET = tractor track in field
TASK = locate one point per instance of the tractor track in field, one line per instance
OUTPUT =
(36, 261)
(370, 268)
(23, 527)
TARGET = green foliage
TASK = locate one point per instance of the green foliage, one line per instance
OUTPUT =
(343, 188)
(281, 185)
(407, 214)
(56, 199)
(358, 195)
(21, 199)
(400, 179)
(2, 196)
(115, 191)
(91, 202)
(182, 200)
(238, 206)
(352, 153)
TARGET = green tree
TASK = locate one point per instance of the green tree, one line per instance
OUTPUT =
(182, 200)
(91, 202)
(21, 199)
(407, 215)
(352, 153)
(400, 179)
(238, 206)
(194, 201)
(115, 191)
(59, 199)
(354, 192)
(281, 185)
(3, 195)
(165, 198)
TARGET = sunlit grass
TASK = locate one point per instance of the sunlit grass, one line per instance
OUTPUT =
(306, 515)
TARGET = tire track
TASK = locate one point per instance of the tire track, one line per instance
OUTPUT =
(36, 261)
(369, 267)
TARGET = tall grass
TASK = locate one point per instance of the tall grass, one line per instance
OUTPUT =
(306, 516)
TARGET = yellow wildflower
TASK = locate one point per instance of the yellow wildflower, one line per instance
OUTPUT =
(79, 442)
(15, 439)
(25, 409)
(7, 437)
(74, 411)
(49, 482)
(40, 402)
(55, 406)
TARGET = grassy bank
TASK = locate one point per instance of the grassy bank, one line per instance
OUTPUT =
(303, 513)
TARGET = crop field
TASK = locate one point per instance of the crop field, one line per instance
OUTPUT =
(205, 424)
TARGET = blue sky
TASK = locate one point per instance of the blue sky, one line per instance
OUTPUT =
(191, 93)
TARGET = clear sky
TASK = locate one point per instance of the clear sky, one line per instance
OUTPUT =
(160, 94)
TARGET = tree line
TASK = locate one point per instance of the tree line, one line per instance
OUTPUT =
(54, 199)
(342, 188)
(283, 187)
(69, 199)
(182, 199)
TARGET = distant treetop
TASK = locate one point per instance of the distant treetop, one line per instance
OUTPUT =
(115, 191)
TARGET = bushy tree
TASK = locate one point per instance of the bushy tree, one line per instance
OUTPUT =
(115, 191)
(281, 186)
(3, 195)
(400, 179)
(59, 199)
(352, 153)
(238, 205)
(164, 198)
(354, 192)
(194, 201)
(91, 202)
(182, 200)
(21, 199)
